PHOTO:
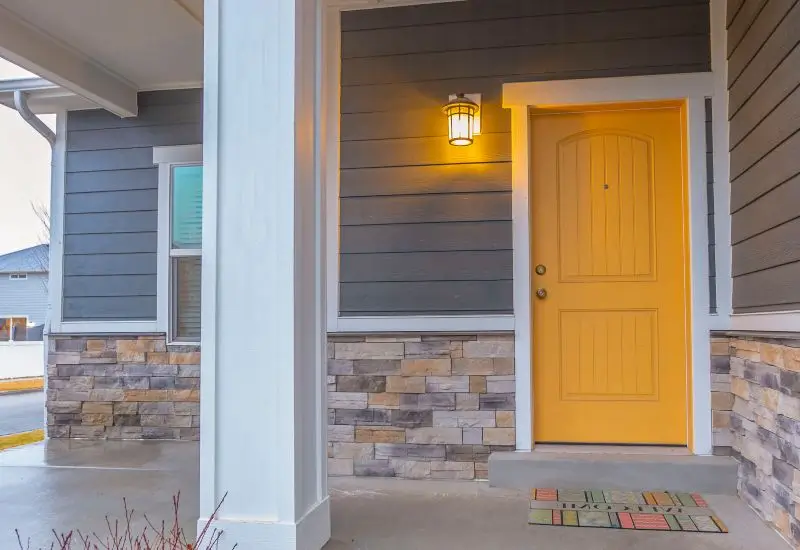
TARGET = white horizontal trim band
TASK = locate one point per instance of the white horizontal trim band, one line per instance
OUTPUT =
(106, 327)
(784, 321)
(419, 323)
(182, 252)
(178, 154)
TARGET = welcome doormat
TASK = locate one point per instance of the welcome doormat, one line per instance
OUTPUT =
(648, 510)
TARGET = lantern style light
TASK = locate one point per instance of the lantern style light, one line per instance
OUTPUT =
(461, 112)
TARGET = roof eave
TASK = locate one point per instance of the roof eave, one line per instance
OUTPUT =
(44, 97)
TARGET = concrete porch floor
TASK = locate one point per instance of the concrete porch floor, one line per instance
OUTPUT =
(61, 485)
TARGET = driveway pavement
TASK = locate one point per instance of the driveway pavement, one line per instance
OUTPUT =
(64, 484)
(21, 412)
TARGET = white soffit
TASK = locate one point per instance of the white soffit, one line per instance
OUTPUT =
(152, 44)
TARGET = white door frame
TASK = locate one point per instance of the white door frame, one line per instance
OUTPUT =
(693, 89)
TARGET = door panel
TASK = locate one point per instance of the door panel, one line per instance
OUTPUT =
(605, 230)
(608, 225)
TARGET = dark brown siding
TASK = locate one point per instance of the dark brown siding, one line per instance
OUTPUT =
(426, 227)
(764, 84)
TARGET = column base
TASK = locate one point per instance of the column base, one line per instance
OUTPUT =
(311, 532)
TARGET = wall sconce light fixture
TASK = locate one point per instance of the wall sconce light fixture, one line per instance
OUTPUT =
(463, 118)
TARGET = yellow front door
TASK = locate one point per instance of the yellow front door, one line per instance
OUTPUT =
(609, 288)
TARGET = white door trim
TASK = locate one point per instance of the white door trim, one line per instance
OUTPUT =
(693, 89)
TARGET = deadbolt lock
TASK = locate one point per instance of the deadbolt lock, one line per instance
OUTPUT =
(541, 269)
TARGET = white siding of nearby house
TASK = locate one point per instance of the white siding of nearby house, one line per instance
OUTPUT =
(25, 297)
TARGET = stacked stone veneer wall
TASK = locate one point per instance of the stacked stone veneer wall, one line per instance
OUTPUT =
(424, 407)
(721, 396)
(126, 387)
(412, 406)
(765, 426)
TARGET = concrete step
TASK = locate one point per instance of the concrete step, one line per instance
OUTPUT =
(620, 470)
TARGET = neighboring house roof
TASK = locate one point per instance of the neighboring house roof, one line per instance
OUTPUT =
(28, 260)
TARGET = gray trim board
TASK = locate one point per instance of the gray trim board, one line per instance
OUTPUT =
(712, 249)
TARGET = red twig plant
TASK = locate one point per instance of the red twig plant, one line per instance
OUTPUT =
(121, 535)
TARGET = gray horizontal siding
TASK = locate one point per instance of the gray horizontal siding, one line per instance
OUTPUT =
(120, 308)
(774, 289)
(527, 61)
(430, 179)
(109, 264)
(491, 9)
(426, 237)
(110, 222)
(426, 227)
(111, 204)
(764, 88)
(455, 207)
(121, 180)
(483, 265)
(121, 243)
(428, 297)
(528, 31)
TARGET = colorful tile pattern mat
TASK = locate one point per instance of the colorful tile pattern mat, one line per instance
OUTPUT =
(648, 510)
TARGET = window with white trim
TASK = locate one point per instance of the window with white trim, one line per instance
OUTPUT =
(180, 241)
(13, 329)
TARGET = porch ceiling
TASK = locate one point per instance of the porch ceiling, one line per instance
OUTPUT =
(106, 51)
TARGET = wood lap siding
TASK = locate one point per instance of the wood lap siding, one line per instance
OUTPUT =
(764, 112)
(426, 227)
(111, 204)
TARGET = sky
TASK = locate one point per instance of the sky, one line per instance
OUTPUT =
(24, 174)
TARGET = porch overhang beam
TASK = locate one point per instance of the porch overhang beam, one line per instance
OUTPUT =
(40, 54)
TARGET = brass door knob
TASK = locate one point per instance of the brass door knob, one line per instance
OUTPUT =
(541, 293)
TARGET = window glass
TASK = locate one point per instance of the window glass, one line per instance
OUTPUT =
(186, 299)
(187, 206)
(19, 329)
(5, 329)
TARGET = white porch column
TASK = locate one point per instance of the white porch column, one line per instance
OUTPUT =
(263, 413)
